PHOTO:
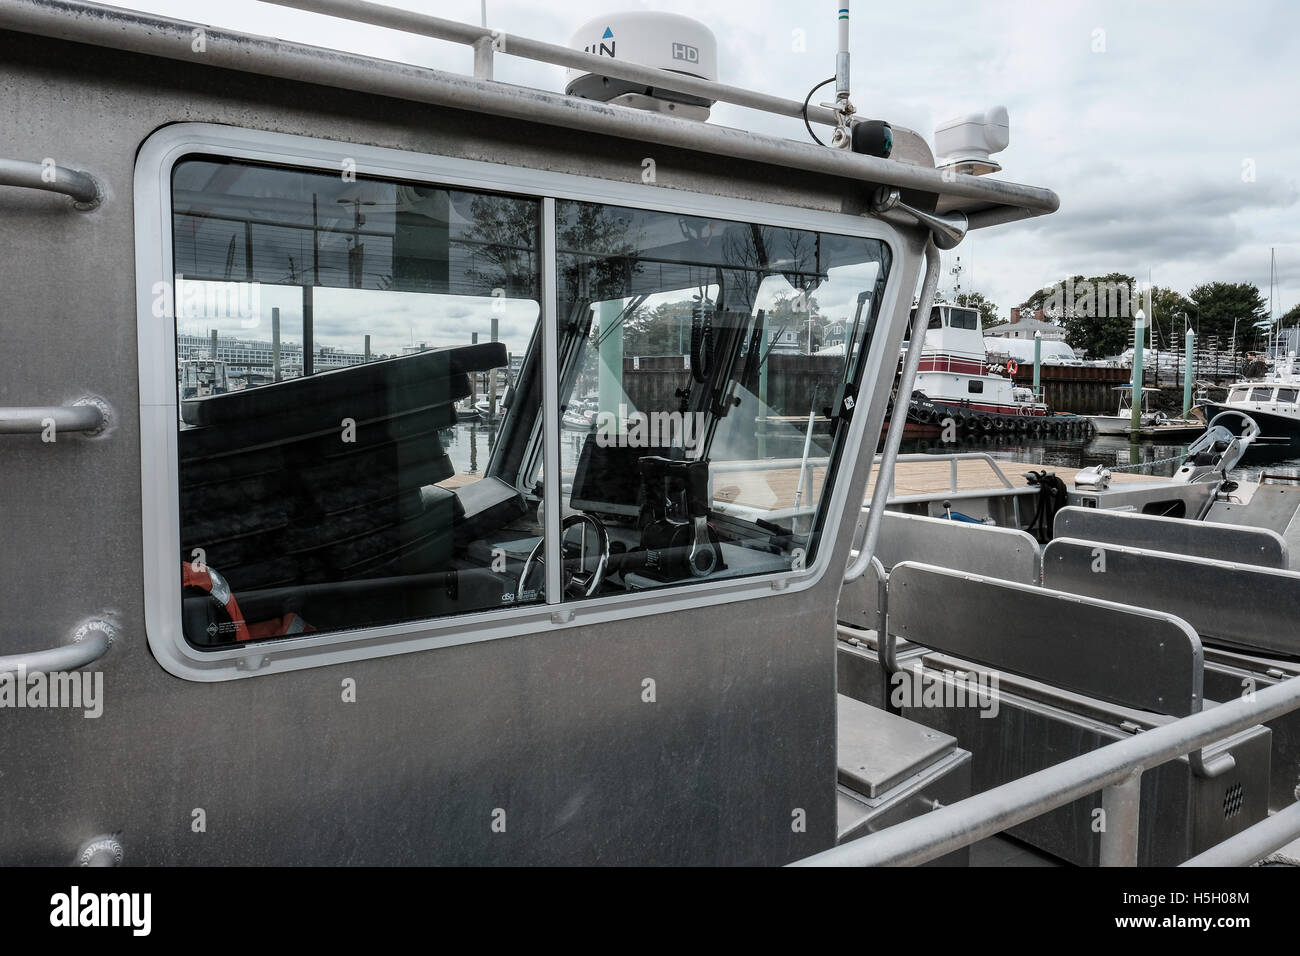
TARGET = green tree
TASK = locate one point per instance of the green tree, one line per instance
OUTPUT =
(1217, 305)
(1095, 311)
(663, 330)
(988, 310)
(1049, 299)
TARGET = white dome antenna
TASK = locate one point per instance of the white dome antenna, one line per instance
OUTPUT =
(965, 144)
(665, 41)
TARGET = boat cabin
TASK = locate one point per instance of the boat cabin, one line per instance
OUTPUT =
(954, 341)
(1264, 396)
(338, 615)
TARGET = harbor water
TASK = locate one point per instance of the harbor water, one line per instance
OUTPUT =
(470, 444)
(1110, 451)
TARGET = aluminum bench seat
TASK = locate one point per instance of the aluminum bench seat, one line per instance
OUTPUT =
(1075, 672)
(1250, 615)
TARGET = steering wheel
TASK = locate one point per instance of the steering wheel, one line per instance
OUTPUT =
(581, 583)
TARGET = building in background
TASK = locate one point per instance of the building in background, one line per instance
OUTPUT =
(1024, 328)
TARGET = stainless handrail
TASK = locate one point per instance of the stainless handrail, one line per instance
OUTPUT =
(1111, 769)
(90, 642)
(151, 35)
(894, 437)
(963, 456)
(82, 187)
(1254, 843)
(765, 464)
(887, 647)
(489, 41)
(34, 419)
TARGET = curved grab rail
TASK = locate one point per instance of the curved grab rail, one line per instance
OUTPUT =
(82, 187)
(90, 642)
(893, 438)
(89, 416)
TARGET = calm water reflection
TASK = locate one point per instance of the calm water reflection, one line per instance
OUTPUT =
(1108, 450)
(469, 445)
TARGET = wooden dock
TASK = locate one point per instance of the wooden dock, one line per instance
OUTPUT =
(775, 489)
(973, 474)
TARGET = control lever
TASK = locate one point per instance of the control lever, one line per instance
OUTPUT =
(680, 545)
(701, 559)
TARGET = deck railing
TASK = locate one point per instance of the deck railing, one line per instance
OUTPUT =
(488, 41)
(1116, 770)
(953, 477)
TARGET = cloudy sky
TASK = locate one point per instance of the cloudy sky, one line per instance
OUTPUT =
(1170, 130)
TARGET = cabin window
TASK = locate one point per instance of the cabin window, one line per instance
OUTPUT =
(1238, 395)
(700, 400)
(1287, 395)
(1261, 394)
(362, 394)
(963, 319)
(352, 384)
(975, 387)
(936, 318)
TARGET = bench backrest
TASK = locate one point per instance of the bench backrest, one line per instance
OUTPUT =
(1134, 657)
(1221, 542)
(1238, 604)
(979, 548)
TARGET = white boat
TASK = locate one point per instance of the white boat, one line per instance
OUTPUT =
(504, 630)
(201, 377)
(576, 419)
(1153, 424)
(955, 381)
(488, 411)
(1273, 401)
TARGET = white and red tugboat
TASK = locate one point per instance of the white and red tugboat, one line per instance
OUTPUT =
(955, 381)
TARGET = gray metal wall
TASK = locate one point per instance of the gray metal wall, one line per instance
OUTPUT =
(550, 728)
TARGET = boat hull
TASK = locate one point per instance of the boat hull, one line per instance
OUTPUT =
(1279, 434)
(983, 419)
(1119, 425)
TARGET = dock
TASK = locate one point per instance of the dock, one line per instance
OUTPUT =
(973, 474)
(776, 489)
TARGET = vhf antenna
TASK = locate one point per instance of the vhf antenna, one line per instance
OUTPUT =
(842, 106)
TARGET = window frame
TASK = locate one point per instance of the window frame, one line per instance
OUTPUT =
(156, 343)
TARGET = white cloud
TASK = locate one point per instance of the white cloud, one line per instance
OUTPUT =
(1144, 142)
